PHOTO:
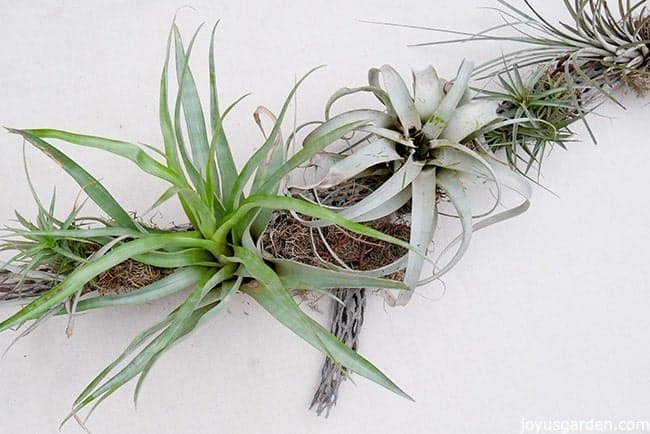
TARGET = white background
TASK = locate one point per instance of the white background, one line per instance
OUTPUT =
(546, 317)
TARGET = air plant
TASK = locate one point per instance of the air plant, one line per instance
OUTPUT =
(416, 150)
(536, 112)
(217, 256)
(39, 258)
(425, 145)
(601, 48)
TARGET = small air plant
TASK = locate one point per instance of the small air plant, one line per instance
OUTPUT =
(535, 113)
(39, 258)
(218, 255)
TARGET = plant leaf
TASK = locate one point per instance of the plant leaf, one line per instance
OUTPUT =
(376, 152)
(295, 275)
(91, 186)
(223, 154)
(427, 92)
(423, 223)
(401, 99)
(271, 294)
(438, 120)
(191, 104)
(180, 279)
(123, 149)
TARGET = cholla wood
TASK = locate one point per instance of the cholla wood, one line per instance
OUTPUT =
(14, 287)
(347, 319)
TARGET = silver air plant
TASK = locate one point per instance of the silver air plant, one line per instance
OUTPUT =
(426, 147)
(602, 47)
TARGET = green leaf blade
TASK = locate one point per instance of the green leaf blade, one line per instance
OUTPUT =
(273, 296)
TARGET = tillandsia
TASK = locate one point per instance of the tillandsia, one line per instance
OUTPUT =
(603, 48)
(414, 152)
(218, 255)
(424, 146)
(537, 111)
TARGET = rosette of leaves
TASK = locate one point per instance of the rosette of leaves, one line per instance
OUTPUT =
(426, 146)
(38, 259)
(603, 48)
(219, 255)
(536, 112)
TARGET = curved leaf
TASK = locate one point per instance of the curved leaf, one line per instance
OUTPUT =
(448, 181)
(91, 186)
(181, 279)
(372, 117)
(423, 223)
(271, 294)
(468, 118)
(295, 275)
(117, 147)
(376, 152)
(438, 120)
(392, 187)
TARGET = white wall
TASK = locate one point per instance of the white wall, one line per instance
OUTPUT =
(545, 318)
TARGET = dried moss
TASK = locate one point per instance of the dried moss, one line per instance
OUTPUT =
(126, 277)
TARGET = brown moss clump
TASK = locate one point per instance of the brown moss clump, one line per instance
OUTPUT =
(287, 238)
(126, 277)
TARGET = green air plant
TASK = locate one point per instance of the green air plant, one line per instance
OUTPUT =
(535, 112)
(41, 258)
(218, 255)
(425, 147)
